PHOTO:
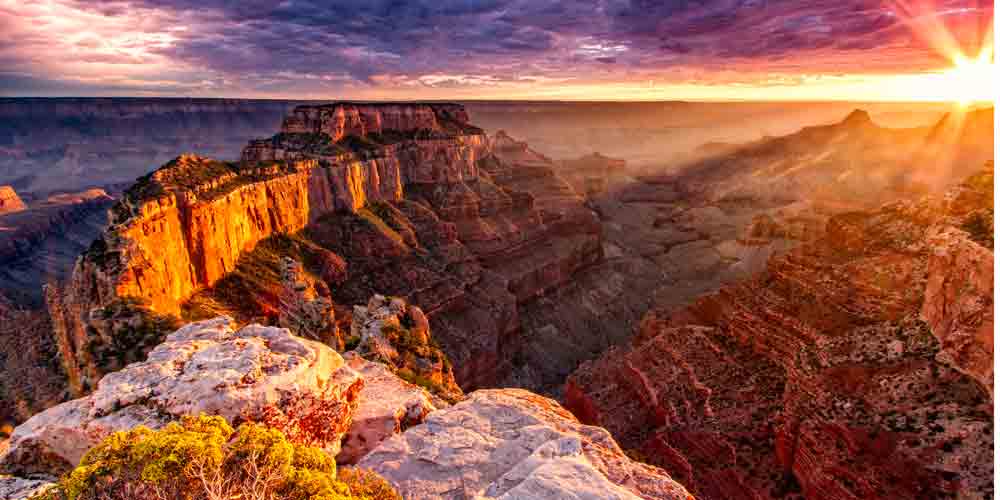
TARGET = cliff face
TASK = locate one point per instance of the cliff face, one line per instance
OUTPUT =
(820, 376)
(413, 188)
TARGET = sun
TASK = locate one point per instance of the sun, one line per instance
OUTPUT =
(971, 79)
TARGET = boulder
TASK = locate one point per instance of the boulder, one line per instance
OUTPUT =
(256, 373)
(510, 443)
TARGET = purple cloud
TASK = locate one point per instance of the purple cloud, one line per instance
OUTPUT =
(307, 46)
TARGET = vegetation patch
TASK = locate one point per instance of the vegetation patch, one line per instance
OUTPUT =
(204, 458)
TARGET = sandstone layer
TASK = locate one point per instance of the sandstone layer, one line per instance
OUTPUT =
(256, 373)
(819, 377)
(512, 444)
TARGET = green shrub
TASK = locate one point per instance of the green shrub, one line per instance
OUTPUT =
(204, 458)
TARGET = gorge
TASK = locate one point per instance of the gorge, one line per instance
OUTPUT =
(800, 316)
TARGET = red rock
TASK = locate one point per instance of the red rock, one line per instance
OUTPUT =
(820, 376)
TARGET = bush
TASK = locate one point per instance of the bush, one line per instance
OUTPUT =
(203, 458)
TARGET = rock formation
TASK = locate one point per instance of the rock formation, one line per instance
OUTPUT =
(256, 373)
(10, 202)
(391, 332)
(397, 199)
(303, 310)
(820, 376)
(511, 443)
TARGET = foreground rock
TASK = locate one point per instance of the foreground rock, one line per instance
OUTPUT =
(387, 405)
(256, 373)
(513, 444)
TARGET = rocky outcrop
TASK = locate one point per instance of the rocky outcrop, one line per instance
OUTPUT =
(183, 227)
(304, 310)
(958, 300)
(391, 332)
(10, 202)
(819, 376)
(256, 373)
(513, 444)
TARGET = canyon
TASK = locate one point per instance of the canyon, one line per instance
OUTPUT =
(808, 315)
(838, 372)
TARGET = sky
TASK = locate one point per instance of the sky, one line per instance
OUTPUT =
(862, 50)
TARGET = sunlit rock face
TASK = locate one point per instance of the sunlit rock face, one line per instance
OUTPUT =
(256, 373)
(510, 443)
(856, 366)
(10, 202)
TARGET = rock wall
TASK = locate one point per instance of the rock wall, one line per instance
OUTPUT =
(339, 120)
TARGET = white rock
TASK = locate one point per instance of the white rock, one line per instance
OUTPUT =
(387, 405)
(512, 444)
(255, 373)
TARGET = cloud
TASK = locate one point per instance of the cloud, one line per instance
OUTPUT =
(302, 46)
